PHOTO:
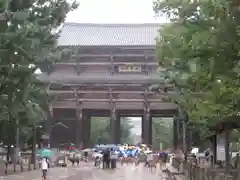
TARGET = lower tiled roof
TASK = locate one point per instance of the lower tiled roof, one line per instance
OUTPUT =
(101, 78)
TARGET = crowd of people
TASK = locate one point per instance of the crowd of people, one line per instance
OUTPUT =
(107, 156)
(128, 154)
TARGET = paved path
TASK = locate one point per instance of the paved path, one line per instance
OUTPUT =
(87, 172)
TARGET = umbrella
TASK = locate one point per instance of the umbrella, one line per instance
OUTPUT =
(194, 150)
(97, 154)
(46, 153)
(87, 150)
(113, 146)
(148, 151)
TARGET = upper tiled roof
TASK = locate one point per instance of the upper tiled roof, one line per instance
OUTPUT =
(74, 34)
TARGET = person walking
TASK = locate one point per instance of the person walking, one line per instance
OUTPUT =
(45, 164)
(97, 161)
(113, 158)
(106, 159)
(163, 156)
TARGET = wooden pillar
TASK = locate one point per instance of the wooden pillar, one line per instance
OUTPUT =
(147, 126)
(150, 130)
(175, 133)
(118, 128)
(49, 125)
(147, 122)
(114, 120)
(114, 126)
(79, 127)
(142, 135)
(214, 148)
(86, 130)
(179, 134)
(185, 121)
(227, 150)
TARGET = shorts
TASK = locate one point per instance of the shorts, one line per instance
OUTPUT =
(44, 173)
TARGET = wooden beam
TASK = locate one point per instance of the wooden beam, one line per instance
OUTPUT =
(74, 63)
(108, 84)
(114, 55)
(54, 92)
(59, 78)
(114, 100)
(154, 106)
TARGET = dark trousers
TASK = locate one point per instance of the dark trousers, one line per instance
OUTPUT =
(113, 163)
(146, 164)
(106, 163)
(44, 173)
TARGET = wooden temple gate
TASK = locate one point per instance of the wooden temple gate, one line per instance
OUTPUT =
(105, 75)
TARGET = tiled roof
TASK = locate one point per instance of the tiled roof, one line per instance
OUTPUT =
(74, 34)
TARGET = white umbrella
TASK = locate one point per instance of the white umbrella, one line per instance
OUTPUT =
(87, 150)
(97, 154)
(148, 151)
(194, 150)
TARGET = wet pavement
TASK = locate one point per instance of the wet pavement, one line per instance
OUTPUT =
(88, 172)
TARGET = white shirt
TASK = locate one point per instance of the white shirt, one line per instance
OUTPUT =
(71, 155)
(113, 155)
(150, 157)
(44, 164)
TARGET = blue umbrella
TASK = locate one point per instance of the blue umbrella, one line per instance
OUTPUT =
(46, 153)
(134, 152)
(129, 152)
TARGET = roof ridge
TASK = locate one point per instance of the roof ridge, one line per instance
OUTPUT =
(111, 24)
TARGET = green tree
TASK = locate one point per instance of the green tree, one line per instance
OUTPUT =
(126, 134)
(28, 41)
(162, 130)
(100, 131)
(200, 51)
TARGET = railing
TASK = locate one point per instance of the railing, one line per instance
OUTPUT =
(195, 169)
(23, 163)
(206, 172)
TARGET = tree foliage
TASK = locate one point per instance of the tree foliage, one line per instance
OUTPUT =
(199, 49)
(28, 41)
(162, 133)
(100, 130)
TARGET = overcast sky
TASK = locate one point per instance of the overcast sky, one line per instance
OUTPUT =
(114, 11)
